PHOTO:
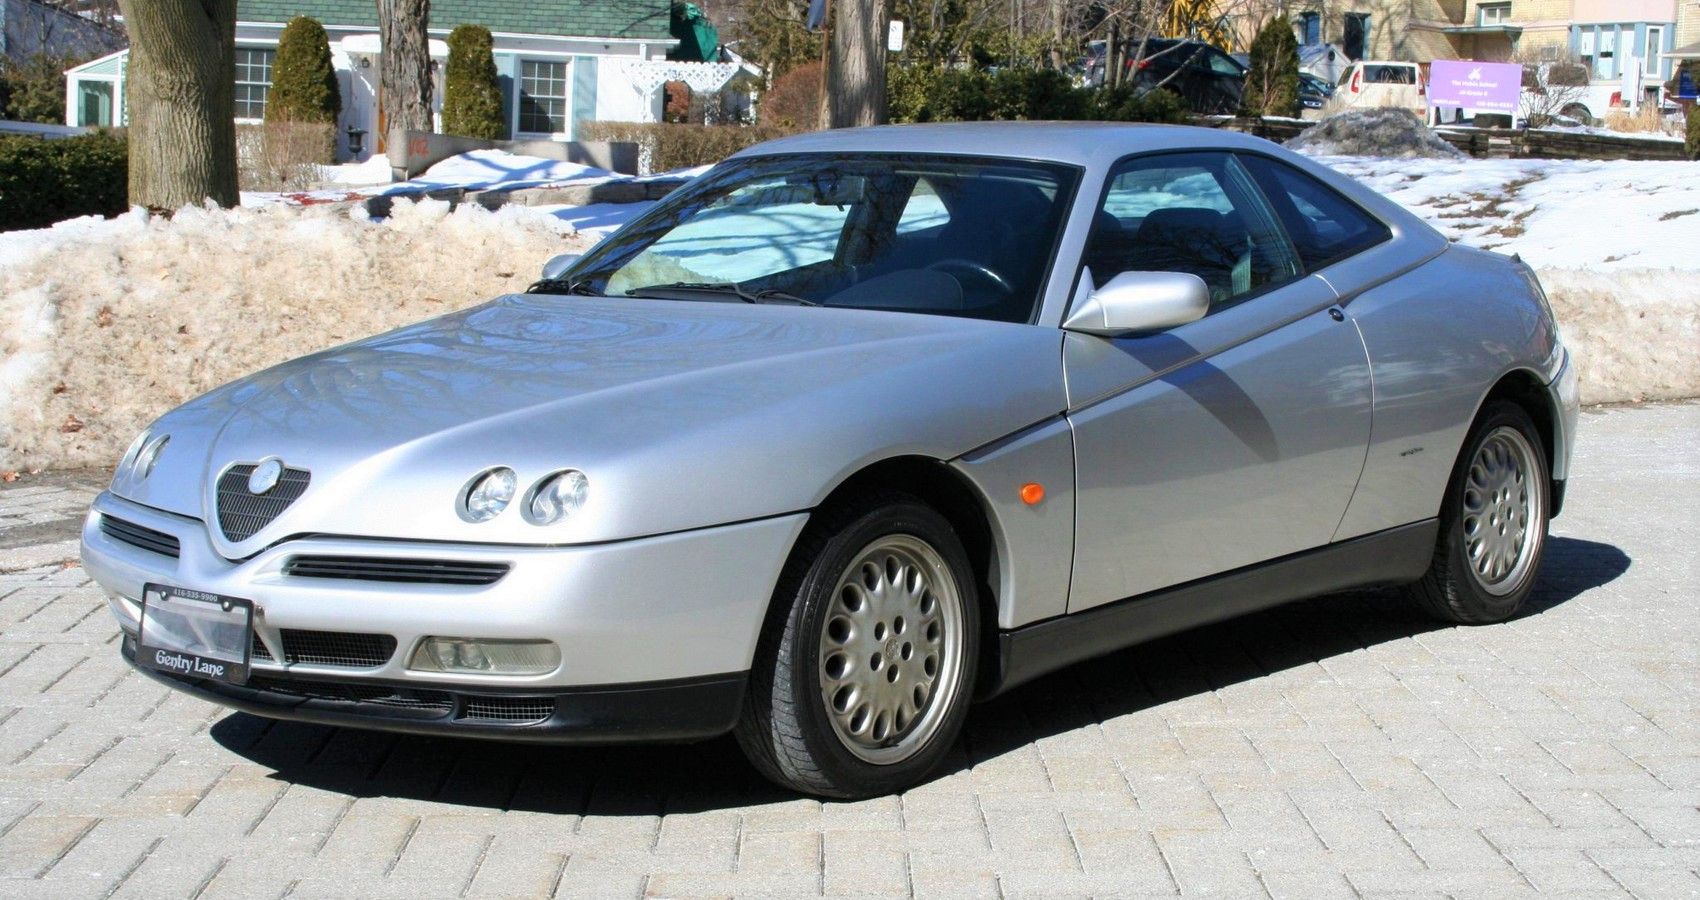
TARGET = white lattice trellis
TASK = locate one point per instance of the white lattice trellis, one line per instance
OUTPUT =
(701, 77)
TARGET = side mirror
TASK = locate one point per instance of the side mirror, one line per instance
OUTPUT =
(1141, 301)
(558, 265)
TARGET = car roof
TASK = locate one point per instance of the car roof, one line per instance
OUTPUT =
(1076, 143)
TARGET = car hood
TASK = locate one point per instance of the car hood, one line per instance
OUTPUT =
(682, 414)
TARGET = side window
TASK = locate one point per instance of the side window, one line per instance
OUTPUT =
(1324, 226)
(923, 210)
(1190, 212)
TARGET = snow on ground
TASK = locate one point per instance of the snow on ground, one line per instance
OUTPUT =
(1590, 214)
(375, 170)
(597, 220)
(475, 170)
(498, 170)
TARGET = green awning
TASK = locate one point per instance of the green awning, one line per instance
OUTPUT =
(699, 41)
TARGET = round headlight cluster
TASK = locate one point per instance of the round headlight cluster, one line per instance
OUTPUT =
(488, 494)
(553, 498)
(558, 496)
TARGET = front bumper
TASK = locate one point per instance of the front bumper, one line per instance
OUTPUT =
(667, 621)
(681, 710)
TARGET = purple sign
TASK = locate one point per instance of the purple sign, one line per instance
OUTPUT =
(1478, 86)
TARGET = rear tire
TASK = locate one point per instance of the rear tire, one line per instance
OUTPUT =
(865, 668)
(1493, 523)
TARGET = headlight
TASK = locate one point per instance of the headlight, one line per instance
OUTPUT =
(488, 494)
(558, 496)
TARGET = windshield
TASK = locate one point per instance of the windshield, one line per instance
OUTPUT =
(933, 234)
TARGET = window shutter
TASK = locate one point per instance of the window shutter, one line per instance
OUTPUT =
(584, 92)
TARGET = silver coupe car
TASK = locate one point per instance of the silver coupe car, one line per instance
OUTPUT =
(855, 429)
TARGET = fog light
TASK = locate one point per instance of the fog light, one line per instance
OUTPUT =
(485, 657)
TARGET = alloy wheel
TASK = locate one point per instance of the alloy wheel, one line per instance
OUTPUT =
(1502, 508)
(891, 655)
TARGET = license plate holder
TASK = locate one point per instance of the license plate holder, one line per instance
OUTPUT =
(195, 634)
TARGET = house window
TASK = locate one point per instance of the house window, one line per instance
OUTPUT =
(253, 80)
(1310, 29)
(1493, 14)
(94, 103)
(543, 97)
(1355, 37)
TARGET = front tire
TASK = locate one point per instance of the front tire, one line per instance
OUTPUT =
(1493, 523)
(865, 668)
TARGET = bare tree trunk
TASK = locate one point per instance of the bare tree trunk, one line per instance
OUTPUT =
(856, 64)
(404, 89)
(181, 93)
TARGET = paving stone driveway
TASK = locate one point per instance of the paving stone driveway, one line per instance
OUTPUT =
(1340, 746)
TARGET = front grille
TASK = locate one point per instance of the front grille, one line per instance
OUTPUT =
(137, 536)
(412, 571)
(508, 709)
(328, 648)
(439, 702)
(241, 514)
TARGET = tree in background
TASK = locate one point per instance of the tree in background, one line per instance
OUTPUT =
(304, 87)
(770, 33)
(855, 67)
(33, 90)
(1272, 79)
(182, 99)
(793, 102)
(404, 89)
(472, 93)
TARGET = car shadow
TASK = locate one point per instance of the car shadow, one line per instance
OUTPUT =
(653, 780)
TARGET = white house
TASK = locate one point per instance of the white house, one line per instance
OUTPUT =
(561, 63)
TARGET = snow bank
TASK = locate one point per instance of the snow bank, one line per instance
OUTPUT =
(1635, 333)
(109, 323)
(1374, 131)
(1593, 214)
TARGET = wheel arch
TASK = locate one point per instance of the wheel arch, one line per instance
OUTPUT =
(955, 497)
(1526, 389)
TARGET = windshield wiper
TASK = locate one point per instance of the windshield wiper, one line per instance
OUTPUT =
(724, 288)
(576, 286)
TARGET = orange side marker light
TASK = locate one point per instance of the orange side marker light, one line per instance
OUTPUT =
(1032, 493)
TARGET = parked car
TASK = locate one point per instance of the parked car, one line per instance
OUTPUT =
(1314, 92)
(854, 429)
(1210, 81)
(1384, 83)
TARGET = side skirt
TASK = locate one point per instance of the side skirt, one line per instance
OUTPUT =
(1395, 556)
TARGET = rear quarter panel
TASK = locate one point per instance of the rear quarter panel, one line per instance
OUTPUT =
(1439, 337)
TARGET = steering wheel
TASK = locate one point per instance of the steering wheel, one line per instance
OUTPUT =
(974, 268)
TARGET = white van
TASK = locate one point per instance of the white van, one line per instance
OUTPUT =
(1369, 82)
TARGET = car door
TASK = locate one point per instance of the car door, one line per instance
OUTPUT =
(1227, 441)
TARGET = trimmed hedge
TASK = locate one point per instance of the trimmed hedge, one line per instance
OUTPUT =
(472, 93)
(46, 181)
(1272, 79)
(921, 94)
(1693, 142)
(304, 87)
(669, 146)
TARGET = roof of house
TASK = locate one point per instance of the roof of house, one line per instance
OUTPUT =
(637, 19)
